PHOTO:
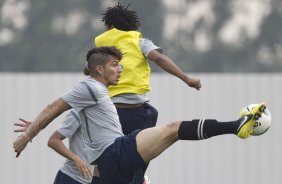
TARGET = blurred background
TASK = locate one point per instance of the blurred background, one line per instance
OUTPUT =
(200, 35)
(234, 47)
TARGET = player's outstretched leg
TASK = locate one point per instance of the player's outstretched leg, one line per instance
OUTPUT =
(248, 120)
(205, 128)
(152, 141)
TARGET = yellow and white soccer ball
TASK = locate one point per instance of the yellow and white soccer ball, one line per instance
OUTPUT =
(262, 124)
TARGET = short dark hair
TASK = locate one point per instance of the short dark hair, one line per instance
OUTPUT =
(121, 18)
(100, 56)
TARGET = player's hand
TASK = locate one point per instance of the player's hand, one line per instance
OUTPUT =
(83, 168)
(20, 144)
(22, 125)
(194, 83)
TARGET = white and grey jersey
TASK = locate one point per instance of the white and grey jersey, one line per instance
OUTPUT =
(146, 46)
(130, 98)
(98, 116)
(71, 129)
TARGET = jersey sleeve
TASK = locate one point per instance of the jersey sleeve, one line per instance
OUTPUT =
(80, 97)
(70, 125)
(147, 46)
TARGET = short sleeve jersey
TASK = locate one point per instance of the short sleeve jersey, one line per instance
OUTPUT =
(99, 119)
(70, 129)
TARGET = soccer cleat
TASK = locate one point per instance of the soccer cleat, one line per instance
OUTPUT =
(247, 121)
(146, 180)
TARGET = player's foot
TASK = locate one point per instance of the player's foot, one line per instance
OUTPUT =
(247, 121)
(146, 180)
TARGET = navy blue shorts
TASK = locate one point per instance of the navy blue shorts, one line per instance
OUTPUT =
(137, 118)
(132, 119)
(62, 178)
(120, 163)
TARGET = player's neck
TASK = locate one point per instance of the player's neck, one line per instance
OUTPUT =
(101, 80)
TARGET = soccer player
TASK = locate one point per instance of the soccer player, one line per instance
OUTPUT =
(120, 156)
(76, 169)
(129, 95)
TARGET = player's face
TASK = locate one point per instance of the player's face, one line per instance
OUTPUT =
(112, 71)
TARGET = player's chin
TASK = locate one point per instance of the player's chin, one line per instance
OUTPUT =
(114, 83)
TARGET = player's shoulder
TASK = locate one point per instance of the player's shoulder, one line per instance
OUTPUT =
(95, 88)
(146, 41)
(148, 45)
(91, 83)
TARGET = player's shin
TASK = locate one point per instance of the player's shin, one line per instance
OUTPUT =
(204, 128)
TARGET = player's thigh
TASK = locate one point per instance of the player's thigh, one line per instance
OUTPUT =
(151, 142)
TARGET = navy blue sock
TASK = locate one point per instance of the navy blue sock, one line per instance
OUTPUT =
(205, 128)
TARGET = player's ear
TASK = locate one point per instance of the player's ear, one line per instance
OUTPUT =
(100, 69)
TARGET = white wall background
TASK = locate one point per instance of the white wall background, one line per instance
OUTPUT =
(219, 160)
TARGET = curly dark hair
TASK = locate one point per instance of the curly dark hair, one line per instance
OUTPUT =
(121, 18)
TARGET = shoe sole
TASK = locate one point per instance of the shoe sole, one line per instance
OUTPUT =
(261, 109)
(257, 111)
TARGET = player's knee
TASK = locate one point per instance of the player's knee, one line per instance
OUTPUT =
(173, 127)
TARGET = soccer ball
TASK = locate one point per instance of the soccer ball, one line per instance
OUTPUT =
(262, 124)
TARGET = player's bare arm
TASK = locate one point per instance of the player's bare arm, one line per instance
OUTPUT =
(43, 119)
(169, 66)
(56, 143)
